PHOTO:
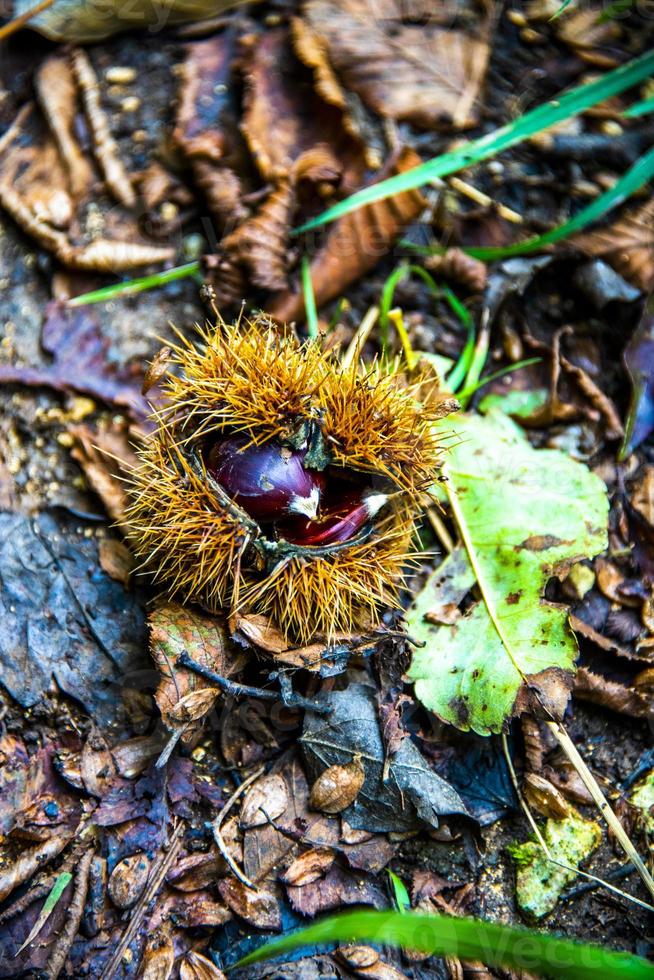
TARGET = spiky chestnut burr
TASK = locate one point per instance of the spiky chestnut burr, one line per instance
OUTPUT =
(280, 481)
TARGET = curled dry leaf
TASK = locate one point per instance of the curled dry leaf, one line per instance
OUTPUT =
(195, 966)
(197, 871)
(356, 242)
(159, 957)
(105, 147)
(458, 266)
(260, 631)
(128, 880)
(285, 117)
(259, 907)
(635, 703)
(543, 797)
(264, 801)
(206, 128)
(156, 369)
(415, 72)
(337, 787)
(310, 866)
(57, 94)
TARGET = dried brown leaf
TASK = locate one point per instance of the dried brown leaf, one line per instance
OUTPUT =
(597, 689)
(128, 880)
(285, 116)
(194, 966)
(364, 961)
(310, 866)
(627, 245)
(545, 798)
(159, 957)
(264, 801)
(105, 457)
(197, 871)
(206, 127)
(356, 242)
(259, 907)
(419, 73)
(57, 94)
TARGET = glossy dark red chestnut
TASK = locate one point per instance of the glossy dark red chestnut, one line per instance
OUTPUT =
(269, 481)
(336, 523)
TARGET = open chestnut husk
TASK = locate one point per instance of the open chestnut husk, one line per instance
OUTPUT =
(279, 481)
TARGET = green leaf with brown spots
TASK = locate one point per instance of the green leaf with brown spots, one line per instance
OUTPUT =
(524, 515)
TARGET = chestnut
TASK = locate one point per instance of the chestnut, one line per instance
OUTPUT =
(335, 523)
(268, 481)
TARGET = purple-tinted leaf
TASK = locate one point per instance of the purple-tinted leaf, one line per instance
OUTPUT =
(639, 361)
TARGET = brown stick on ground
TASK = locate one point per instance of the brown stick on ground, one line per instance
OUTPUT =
(63, 945)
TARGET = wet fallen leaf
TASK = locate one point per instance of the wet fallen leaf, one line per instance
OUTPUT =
(116, 560)
(338, 887)
(411, 797)
(426, 73)
(310, 866)
(79, 348)
(197, 871)
(105, 456)
(528, 515)
(93, 633)
(364, 961)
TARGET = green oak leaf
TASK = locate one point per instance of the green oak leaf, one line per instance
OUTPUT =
(524, 515)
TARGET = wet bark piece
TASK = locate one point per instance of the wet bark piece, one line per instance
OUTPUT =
(356, 242)
(206, 128)
(411, 68)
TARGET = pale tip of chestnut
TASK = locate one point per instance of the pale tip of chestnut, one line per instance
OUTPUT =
(307, 506)
(375, 502)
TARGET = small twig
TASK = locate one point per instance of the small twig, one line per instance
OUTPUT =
(156, 878)
(229, 687)
(74, 915)
(597, 882)
(15, 25)
(218, 822)
(286, 695)
(472, 192)
(601, 802)
(589, 886)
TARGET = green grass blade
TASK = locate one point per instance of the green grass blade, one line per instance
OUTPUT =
(132, 286)
(468, 939)
(57, 890)
(400, 894)
(468, 392)
(639, 174)
(309, 299)
(388, 292)
(564, 6)
(457, 375)
(568, 104)
(642, 108)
